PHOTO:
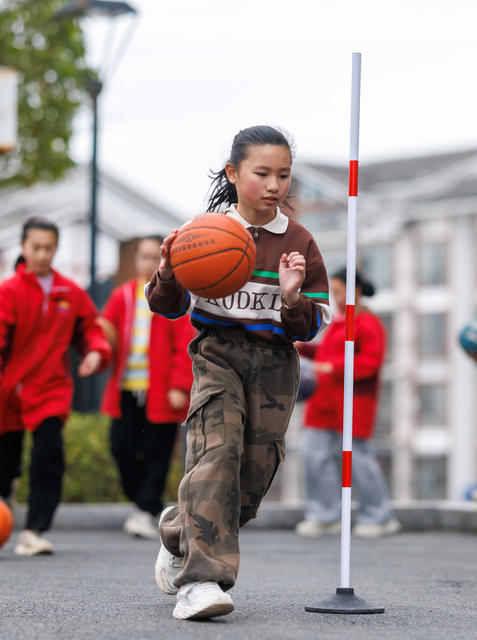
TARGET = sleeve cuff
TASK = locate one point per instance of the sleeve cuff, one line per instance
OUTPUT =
(296, 310)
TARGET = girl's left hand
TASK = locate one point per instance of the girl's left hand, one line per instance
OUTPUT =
(89, 364)
(291, 273)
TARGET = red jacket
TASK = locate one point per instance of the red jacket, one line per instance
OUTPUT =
(35, 334)
(169, 364)
(324, 410)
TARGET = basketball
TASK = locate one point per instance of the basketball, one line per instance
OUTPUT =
(6, 523)
(468, 338)
(213, 255)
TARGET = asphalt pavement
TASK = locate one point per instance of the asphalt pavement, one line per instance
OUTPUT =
(99, 584)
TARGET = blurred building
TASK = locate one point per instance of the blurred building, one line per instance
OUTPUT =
(417, 239)
(417, 226)
(123, 214)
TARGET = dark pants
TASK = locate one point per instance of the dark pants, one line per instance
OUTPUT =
(46, 470)
(143, 451)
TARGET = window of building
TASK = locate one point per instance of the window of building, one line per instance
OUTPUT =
(432, 263)
(432, 334)
(388, 321)
(334, 260)
(432, 404)
(376, 265)
(383, 426)
(308, 192)
(384, 458)
(430, 477)
(322, 221)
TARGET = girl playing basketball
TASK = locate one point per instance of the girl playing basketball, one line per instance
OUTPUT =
(41, 314)
(245, 375)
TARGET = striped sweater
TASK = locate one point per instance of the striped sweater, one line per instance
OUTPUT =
(257, 307)
(136, 372)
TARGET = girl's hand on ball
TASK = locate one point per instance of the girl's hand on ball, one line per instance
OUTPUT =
(165, 269)
(291, 273)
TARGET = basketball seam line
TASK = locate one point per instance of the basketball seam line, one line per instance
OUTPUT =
(244, 253)
(206, 255)
(228, 274)
(232, 233)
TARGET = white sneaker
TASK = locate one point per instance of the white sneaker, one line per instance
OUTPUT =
(375, 530)
(167, 566)
(141, 524)
(310, 529)
(202, 600)
(30, 543)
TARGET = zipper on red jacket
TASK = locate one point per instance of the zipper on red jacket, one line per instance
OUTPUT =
(129, 308)
(45, 304)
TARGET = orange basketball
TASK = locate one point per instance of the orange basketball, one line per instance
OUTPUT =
(6, 523)
(213, 255)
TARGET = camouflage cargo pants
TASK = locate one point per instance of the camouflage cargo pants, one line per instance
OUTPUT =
(242, 398)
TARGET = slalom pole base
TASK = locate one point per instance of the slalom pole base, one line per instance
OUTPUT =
(344, 601)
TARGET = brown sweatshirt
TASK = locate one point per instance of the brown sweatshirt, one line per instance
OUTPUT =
(257, 307)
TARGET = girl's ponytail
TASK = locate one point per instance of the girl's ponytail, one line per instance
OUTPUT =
(221, 191)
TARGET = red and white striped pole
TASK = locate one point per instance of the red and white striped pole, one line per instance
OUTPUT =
(351, 243)
(345, 601)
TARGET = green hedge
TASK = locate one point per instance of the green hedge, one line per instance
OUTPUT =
(91, 474)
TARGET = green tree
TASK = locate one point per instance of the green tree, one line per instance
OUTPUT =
(50, 59)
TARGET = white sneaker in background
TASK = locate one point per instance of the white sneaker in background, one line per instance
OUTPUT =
(142, 524)
(374, 530)
(202, 600)
(310, 529)
(30, 543)
(167, 566)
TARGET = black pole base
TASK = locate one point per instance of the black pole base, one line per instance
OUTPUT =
(344, 601)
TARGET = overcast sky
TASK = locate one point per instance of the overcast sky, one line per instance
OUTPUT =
(197, 71)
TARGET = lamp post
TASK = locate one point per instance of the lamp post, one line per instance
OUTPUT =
(111, 10)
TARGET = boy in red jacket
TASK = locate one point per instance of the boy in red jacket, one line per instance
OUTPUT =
(147, 394)
(41, 314)
(324, 423)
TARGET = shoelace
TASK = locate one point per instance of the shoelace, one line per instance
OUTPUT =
(175, 562)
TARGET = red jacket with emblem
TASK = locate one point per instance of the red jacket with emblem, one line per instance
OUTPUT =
(324, 410)
(169, 364)
(35, 334)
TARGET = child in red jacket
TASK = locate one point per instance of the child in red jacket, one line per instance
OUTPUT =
(324, 423)
(148, 392)
(41, 314)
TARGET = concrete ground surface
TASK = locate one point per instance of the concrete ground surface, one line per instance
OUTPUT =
(414, 515)
(99, 584)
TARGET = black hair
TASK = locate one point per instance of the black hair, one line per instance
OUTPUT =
(367, 288)
(224, 192)
(36, 222)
